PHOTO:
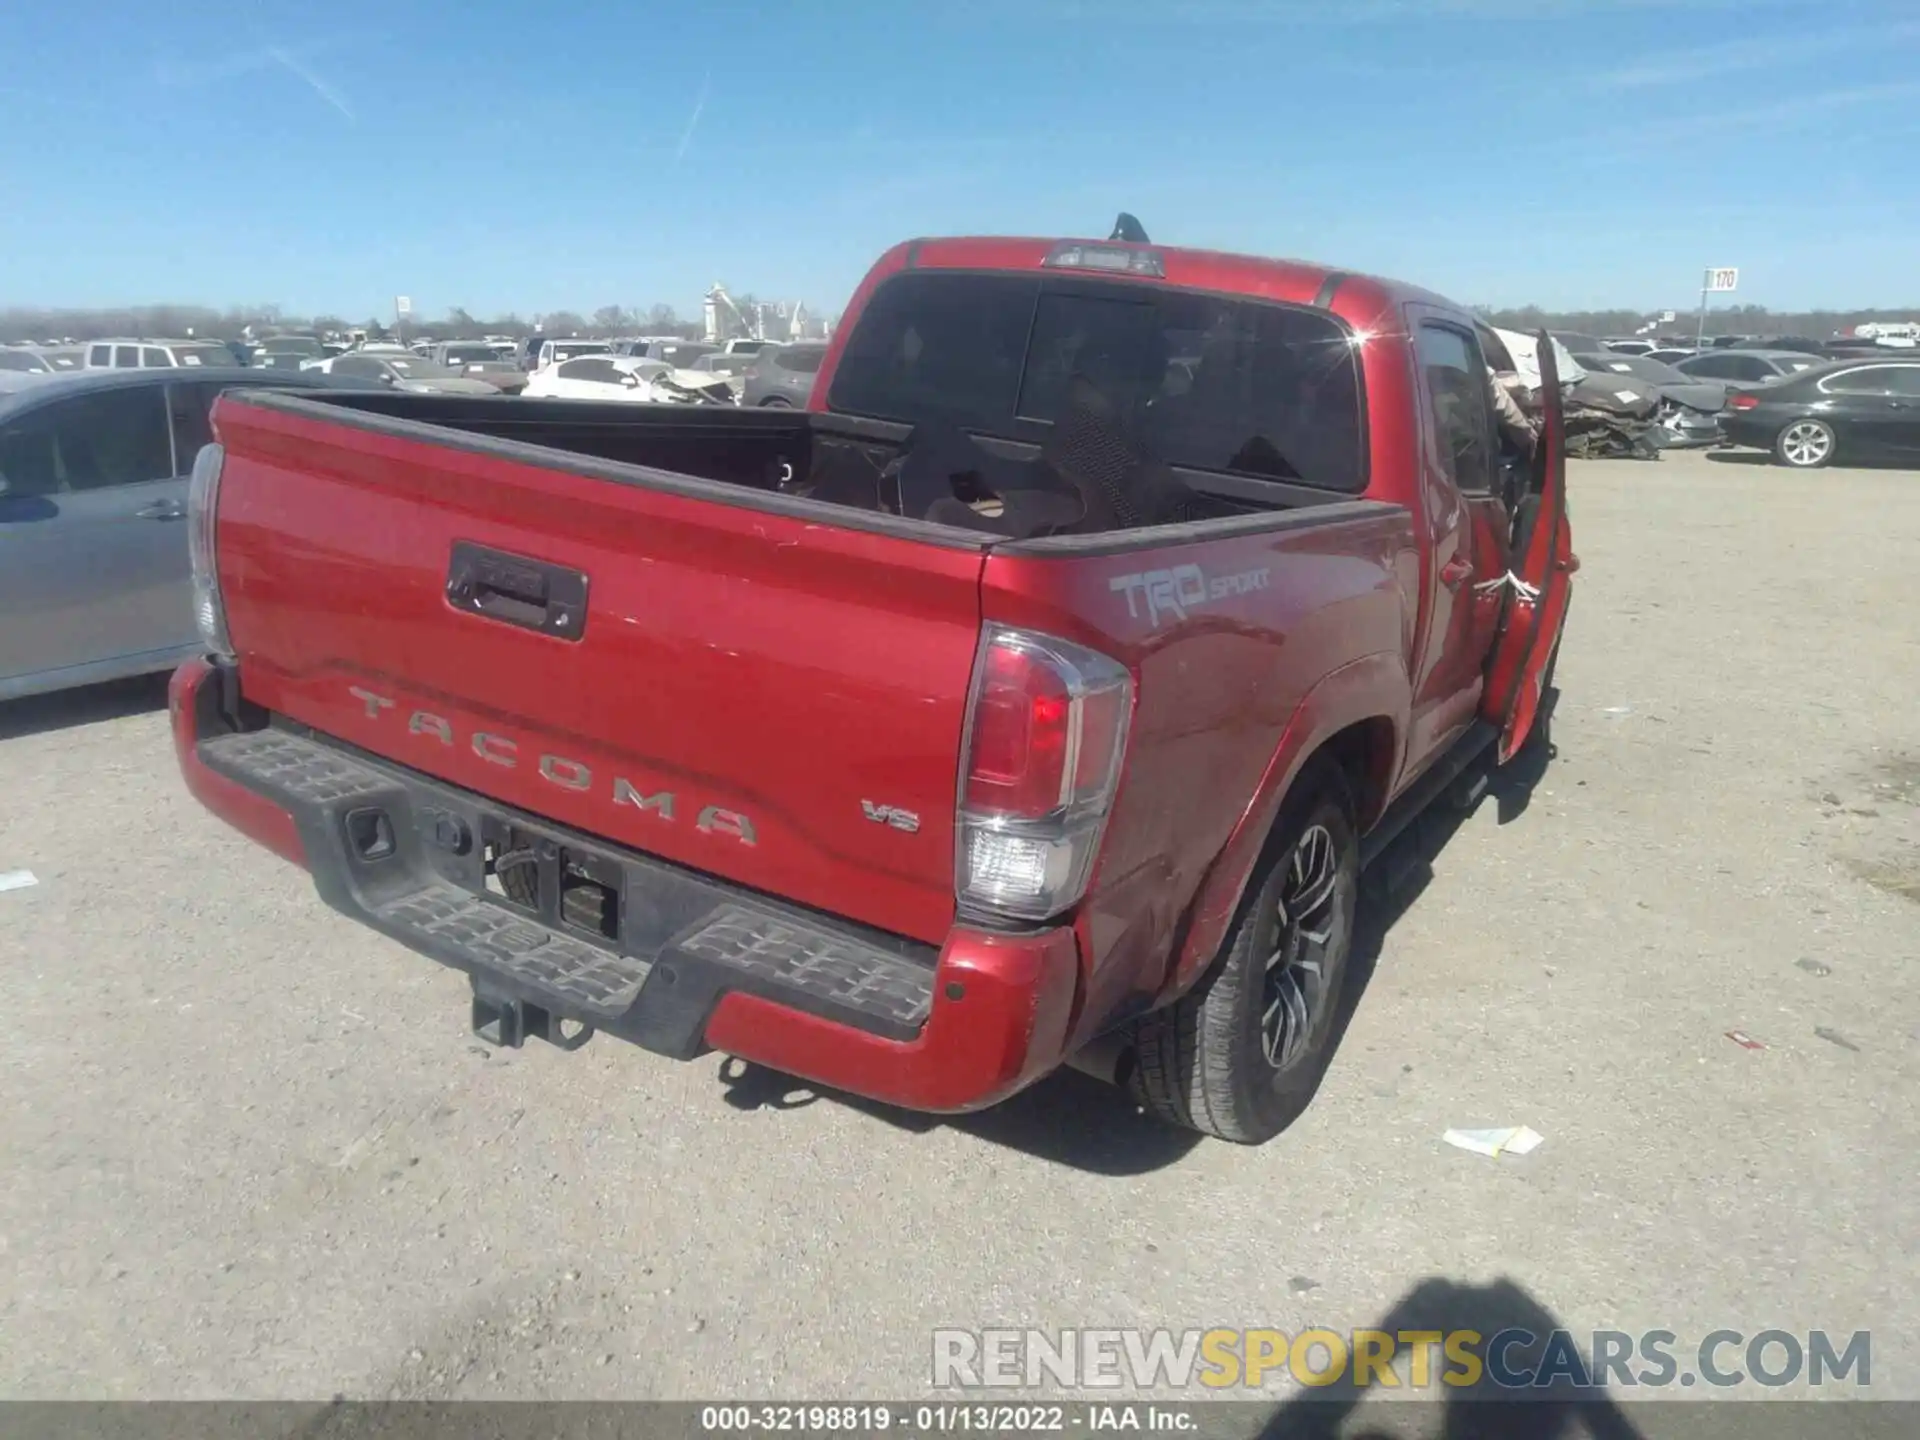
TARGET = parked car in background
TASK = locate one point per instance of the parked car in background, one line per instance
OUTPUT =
(783, 374)
(1800, 343)
(93, 542)
(745, 347)
(680, 354)
(477, 360)
(1745, 367)
(1849, 410)
(1688, 409)
(1672, 354)
(402, 371)
(157, 354)
(552, 352)
(630, 378)
(594, 377)
(15, 357)
(528, 352)
(1628, 345)
(292, 341)
(265, 359)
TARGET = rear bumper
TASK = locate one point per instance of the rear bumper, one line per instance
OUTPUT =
(1690, 432)
(697, 963)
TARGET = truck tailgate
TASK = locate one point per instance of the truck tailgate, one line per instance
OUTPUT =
(754, 694)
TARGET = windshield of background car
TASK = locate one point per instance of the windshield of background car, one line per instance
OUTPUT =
(568, 352)
(1202, 381)
(22, 360)
(470, 354)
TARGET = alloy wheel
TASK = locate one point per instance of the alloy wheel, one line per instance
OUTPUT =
(1295, 993)
(1806, 442)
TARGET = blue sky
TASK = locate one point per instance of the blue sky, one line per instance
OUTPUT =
(508, 154)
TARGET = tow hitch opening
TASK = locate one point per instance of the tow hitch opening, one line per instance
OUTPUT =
(507, 1023)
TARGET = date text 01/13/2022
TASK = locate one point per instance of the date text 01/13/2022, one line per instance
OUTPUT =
(942, 1418)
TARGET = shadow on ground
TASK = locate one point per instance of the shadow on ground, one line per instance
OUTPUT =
(1516, 1346)
(1068, 1118)
(1075, 1120)
(87, 705)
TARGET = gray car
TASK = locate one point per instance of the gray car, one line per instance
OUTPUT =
(1746, 367)
(477, 360)
(783, 374)
(404, 372)
(94, 580)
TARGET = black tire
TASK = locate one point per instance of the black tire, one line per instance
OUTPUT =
(1805, 444)
(1203, 1063)
(776, 402)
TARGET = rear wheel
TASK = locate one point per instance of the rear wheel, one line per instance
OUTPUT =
(776, 402)
(1241, 1055)
(1805, 444)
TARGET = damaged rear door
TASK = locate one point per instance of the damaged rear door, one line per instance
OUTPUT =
(1539, 581)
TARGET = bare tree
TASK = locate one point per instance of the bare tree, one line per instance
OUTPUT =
(612, 319)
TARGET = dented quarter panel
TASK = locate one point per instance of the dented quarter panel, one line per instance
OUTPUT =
(1220, 674)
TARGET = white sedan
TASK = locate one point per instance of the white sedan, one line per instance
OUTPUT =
(627, 377)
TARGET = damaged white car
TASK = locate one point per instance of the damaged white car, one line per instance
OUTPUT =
(628, 377)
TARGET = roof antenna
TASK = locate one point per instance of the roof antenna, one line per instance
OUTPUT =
(1128, 229)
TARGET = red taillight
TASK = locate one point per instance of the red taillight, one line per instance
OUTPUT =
(1020, 736)
(1742, 402)
(1047, 731)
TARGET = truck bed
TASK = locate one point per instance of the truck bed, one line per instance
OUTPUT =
(774, 454)
(744, 678)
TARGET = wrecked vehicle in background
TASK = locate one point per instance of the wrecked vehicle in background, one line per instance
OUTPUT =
(1689, 407)
(1612, 417)
(1608, 415)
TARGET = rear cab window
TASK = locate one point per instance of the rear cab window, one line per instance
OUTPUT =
(1204, 382)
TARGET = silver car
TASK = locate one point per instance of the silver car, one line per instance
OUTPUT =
(94, 580)
(402, 371)
(783, 374)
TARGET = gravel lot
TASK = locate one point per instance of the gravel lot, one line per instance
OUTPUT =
(253, 1152)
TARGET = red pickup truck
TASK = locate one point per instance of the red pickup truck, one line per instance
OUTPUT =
(1047, 682)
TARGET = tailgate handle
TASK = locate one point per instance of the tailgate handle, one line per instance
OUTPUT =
(518, 590)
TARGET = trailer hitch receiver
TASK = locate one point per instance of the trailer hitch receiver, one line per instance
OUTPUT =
(508, 1022)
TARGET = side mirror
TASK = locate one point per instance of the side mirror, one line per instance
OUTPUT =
(630, 380)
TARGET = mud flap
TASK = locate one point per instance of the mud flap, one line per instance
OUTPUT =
(1539, 582)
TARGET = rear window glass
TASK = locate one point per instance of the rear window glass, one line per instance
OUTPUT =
(801, 360)
(1204, 382)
